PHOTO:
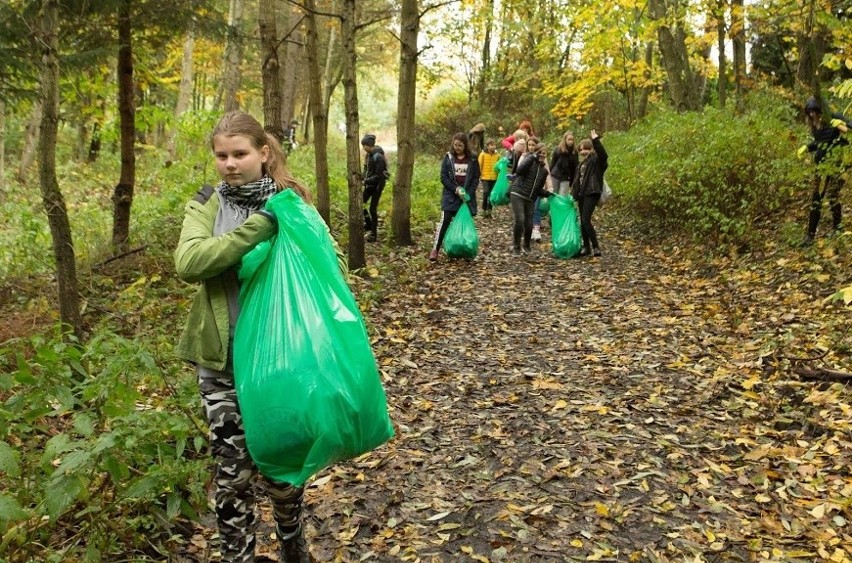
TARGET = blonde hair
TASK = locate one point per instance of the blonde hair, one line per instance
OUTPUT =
(520, 134)
(239, 123)
(563, 144)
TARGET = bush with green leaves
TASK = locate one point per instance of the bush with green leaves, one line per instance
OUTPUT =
(97, 454)
(711, 174)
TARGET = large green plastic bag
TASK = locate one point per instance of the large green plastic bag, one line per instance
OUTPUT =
(566, 237)
(306, 378)
(461, 240)
(500, 191)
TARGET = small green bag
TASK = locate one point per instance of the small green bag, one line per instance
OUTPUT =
(306, 378)
(566, 235)
(500, 191)
(461, 240)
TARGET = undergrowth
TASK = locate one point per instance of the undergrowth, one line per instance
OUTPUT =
(102, 444)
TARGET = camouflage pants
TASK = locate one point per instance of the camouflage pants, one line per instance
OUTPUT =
(236, 473)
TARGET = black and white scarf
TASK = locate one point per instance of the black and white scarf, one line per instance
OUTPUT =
(236, 203)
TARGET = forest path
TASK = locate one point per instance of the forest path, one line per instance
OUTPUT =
(547, 410)
(613, 409)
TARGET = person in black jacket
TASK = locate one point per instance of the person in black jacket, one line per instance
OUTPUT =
(563, 164)
(527, 186)
(375, 177)
(827, 146)
(587, 188)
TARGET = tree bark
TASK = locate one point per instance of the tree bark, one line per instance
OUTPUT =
(122, 197)
(184, 89)
(645, 93)
(319, 115)
(54, 204)
(2, 150)
(233, 57)
(269, 48)
(486, 48)
(683, 87)
(722, 86)
(289, 52)
(806, 72)
(330, 80)
(357, 258)
(405, 109)
(739, 43)
(30, 142)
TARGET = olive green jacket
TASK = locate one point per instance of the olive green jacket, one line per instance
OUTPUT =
(201, 257)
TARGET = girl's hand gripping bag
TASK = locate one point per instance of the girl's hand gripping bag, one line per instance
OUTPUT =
(306, 378)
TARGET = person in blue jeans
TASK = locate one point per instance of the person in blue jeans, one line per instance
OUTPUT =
(459, 171)
(528, 186)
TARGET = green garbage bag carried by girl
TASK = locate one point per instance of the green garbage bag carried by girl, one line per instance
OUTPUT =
(566, 237)
(306, 378)
(462, 240)
(500, 191)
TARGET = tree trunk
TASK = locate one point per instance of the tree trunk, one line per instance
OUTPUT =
(683, 88)
(122, 197)
(739, 43)
(645, 93)
(357, 259)
(289, 52)
(720, 45)
(233, 57)
(2, 150)
(184, 89)
(269, 68)
(329, 81)
(30, 141)
(486, 49)
(319, 115)
(54, 204)
(95, 143)
(405, 110)
(806, 73)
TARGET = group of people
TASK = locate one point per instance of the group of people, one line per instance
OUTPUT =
(223, 223)
(472, 161)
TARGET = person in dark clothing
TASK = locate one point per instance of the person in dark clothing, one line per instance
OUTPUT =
(375, 176)
(827, 146)
(289, 142)
(563, 164)
(587, 188)
(459, 171)
(527, 186)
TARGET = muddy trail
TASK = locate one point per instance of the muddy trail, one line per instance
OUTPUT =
(559, 410)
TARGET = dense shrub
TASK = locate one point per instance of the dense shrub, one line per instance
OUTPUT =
(711, 174)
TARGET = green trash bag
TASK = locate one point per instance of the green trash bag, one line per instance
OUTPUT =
(500, 191)
(461, 240)
(544, 206)
(565, 236)
(306, 378)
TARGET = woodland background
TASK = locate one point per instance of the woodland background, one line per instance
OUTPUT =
(105, 108)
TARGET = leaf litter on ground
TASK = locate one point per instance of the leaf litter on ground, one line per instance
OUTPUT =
(636, 407)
